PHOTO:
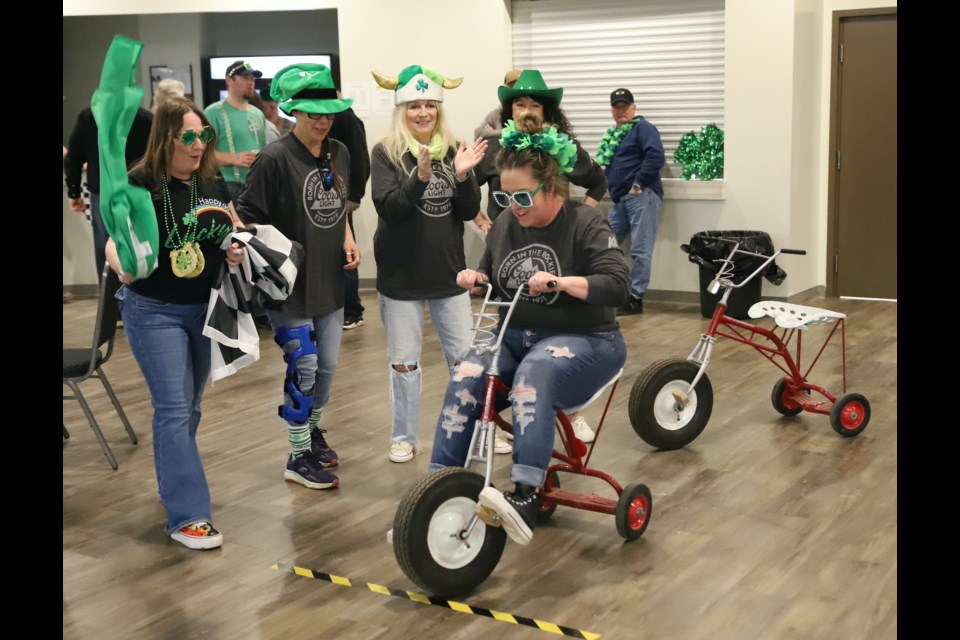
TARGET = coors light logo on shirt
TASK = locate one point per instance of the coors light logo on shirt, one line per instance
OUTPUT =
(519, 265)
(437, 198)
(324, 208)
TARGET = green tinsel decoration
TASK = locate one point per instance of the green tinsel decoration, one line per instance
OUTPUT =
(701, 154)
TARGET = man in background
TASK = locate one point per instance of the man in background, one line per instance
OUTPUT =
(491, 124)
(83, 152)
(633, 180)
(241, 128)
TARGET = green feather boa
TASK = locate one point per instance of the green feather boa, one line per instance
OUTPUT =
(611, 140)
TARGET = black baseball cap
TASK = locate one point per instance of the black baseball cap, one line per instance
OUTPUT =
(621, 95)
(241, 68)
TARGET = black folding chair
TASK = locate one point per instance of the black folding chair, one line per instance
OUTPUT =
(80, 364)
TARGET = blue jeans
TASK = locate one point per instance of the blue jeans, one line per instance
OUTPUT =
(546, 371)
(314, 370)
(351, 286)
(168, 342)
(638, 216)
(403, 322)
(100, 235)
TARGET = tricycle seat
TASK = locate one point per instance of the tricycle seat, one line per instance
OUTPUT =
(793, 316)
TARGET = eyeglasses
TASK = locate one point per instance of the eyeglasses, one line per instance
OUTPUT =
(190, 136)
(320, 116)
(523, 197)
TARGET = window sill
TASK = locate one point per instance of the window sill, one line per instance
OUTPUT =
(679, 189)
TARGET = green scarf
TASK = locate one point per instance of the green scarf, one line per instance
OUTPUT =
(611, 140)
(436, 147)
(127, 211)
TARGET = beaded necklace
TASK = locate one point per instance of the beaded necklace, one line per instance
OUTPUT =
(186, 258)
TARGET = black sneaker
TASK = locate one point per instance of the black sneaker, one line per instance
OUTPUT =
(630, 307)
(321, 450)
(308, 471)
(515, 511)
(352, 322)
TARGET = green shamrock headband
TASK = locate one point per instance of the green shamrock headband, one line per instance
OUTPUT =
(558, 145)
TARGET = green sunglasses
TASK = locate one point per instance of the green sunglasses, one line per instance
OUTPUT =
(190, 136)
(523, 197)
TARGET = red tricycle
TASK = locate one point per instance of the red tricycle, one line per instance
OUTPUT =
(671, 400)
(440, 541)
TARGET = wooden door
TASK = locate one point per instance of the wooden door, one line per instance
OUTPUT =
(863, 184)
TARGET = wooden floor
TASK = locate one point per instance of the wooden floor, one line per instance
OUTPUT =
(764, 527)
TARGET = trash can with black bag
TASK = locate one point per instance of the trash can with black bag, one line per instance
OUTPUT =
(708, 249)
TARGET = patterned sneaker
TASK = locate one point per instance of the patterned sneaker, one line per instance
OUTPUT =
(309, 472)
(319, 448)
(516, 511)
(198, 535)
(402, 451)
(352, 322)
(501, 446)
(582, 430)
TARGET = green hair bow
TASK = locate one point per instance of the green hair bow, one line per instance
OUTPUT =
(558, 145)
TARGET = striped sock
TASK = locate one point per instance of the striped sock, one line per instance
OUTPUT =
(299, 437)
(315, 419)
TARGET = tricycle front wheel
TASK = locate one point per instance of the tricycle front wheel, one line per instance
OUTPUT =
(662, 413)
(427, 532)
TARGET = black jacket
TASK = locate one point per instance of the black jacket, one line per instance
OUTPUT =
(83, 148)
(348, 128)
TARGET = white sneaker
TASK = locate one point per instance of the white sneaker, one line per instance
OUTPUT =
(582, 430)
(402, 452)
(508, 436)
(501, 446)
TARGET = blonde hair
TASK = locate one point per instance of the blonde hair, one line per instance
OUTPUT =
(166, 89)
(398, 139)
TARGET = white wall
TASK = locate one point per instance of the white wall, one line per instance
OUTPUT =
(474, 42)
(776, 141)
(777, 109)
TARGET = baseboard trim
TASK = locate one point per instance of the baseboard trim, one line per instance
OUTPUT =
(82, 290)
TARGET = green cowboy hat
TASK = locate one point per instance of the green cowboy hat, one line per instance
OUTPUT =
(530, 83)
(307, 87)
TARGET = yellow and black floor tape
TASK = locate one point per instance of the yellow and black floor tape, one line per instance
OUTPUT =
(420, 598)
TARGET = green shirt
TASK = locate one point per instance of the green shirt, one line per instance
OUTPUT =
(237, 131)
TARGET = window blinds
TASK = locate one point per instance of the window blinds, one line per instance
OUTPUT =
(669, 53)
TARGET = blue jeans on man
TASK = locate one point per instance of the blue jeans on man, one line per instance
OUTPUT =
(637, 215)
(403, 323)
(168, 343)
(543, 377)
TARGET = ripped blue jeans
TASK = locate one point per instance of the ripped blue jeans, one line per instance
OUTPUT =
(546, 371)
